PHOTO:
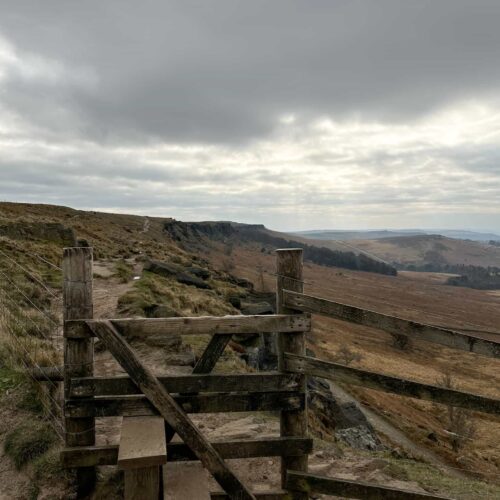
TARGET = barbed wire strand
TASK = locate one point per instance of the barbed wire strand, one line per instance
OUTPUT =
(45, 313)
(29, 273)
(52, 337)
(55, 419)
(19, 344)
(34, 254)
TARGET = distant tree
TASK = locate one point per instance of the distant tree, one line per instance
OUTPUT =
(460, 424)
(401, 342)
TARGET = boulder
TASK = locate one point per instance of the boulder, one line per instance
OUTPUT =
(256, 308)
(160, 311)
(45, 231)
(199, 272)
(168, 270)
(189, 279)
(235, 301)
(165, 269)
(360, 437)
(244, 283)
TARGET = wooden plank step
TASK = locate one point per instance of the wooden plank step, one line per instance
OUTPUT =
(142, 443)
(185, 480)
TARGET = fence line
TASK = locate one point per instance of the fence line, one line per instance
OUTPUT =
(471, 328)
(29, 273)
(29, 340)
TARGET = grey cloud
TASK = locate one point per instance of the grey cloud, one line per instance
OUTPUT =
(225, 71)
(172, 108)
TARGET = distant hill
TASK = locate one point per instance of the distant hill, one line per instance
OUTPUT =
(336, 235)
(194, 234)
(431, 249)
(121, 235)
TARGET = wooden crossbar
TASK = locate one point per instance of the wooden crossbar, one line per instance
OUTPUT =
(391, 324)
(212, 353)
(221, 325)
(394, 385)
(84, 456)
(170, 410)
(123, 385)
(111, 406)
(311, 483)
(261, 495)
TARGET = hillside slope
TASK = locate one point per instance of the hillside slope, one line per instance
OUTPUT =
(431, 249)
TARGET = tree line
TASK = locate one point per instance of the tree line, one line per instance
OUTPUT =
(478, 277)
(321, 255)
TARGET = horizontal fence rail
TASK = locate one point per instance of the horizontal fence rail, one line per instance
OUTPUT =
(123, 385)
(386, 383)
(310, 483)
(391, 324)
(222, 325)
(259, 495)
(86, 456)
(131, 406)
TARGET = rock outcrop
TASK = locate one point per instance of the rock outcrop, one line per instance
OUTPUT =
(182, 275)
(53, 232)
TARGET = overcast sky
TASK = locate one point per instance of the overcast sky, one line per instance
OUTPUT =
(296, 114)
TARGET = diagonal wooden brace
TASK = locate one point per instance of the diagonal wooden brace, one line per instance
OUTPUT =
(170, 410)
(212, 353)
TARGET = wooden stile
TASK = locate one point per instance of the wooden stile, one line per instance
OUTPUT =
(170, 410)
(154, 408)
(78, 353)
(292, 423)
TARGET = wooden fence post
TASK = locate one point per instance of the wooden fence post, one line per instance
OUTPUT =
(79, 353)
(292, 423)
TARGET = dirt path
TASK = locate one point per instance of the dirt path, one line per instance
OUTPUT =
(394, 435)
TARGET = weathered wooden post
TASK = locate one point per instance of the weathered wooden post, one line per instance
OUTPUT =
(79, 352)
(292, 423)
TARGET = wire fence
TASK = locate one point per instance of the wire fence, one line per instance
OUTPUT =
(31, 321)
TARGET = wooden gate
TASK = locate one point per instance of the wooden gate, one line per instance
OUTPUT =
(172, 398)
